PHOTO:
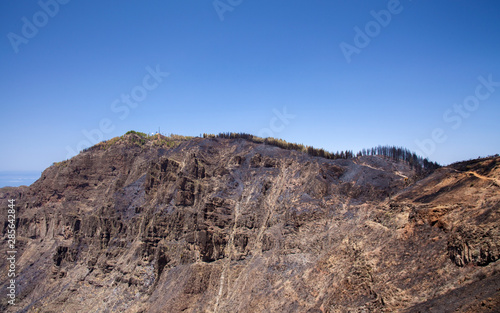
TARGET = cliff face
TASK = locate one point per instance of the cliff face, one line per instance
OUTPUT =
(224, 225)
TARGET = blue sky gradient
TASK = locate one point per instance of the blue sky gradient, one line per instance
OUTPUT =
(244, 65)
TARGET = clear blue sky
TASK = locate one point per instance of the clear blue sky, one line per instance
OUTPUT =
(231, 66)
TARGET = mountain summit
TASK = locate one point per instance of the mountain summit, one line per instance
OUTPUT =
(179, 224)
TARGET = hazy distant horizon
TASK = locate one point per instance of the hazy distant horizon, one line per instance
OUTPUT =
(18, 178)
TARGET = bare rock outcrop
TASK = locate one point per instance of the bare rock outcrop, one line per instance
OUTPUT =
(228, 225)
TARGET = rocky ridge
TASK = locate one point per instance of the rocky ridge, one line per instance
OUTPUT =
(228, 225)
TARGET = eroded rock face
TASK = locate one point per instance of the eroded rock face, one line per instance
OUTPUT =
(224, 225)
(474, 245)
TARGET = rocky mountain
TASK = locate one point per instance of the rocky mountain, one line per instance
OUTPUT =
(230, 225)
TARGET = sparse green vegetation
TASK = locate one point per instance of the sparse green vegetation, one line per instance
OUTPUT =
(59, 164)
(393, 152)
(107, 143)
(173, 140)
(142, 139)
(144, 135)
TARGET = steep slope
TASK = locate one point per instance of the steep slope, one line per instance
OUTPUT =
(227, 225)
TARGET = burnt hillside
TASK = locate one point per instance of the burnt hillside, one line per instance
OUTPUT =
(178, 224)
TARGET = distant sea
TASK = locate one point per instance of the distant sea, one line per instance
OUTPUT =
(18, 178)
